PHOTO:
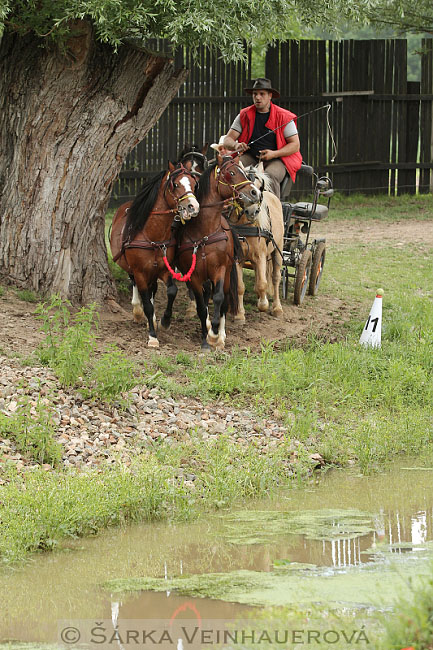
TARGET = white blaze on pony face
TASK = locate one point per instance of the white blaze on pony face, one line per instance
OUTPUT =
(192, 208)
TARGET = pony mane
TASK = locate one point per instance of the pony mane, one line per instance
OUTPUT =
(263, 219)
(142, 205)
(262, 179)
(202, 188)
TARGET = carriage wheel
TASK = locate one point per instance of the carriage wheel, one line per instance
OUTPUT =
(317, 268)
(302, 279)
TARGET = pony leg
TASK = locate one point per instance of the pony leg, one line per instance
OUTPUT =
(240, 316)
(171, 295)
(137, 305)
(218, 300)
(220, 345)
(202, 313)
(147, 300)
(261, 284)
(277, 309)
(191, 309)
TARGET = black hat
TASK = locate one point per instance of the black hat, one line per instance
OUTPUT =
(262, 84)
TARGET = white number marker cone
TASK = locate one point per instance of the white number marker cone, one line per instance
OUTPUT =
(371, 334)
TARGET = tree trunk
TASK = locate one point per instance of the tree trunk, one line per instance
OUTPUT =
(67, 121)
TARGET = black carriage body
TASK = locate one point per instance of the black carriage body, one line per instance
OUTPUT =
(305, 256)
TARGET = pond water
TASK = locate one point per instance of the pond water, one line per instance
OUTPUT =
(350, 540)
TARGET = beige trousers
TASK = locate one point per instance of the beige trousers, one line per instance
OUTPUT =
(276, 170)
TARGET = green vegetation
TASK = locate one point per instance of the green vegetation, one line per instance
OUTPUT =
(33, 431)
(339, 399)
(69, 348)
(386, 208)
(26, 295)
(40, 508)
(413, 621)
(110, 375)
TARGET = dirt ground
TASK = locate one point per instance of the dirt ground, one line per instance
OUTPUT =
(323, 315)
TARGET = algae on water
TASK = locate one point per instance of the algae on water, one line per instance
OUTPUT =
(262, 527)
(364, 586)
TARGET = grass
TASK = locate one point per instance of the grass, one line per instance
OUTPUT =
(39, 509)
(385, 208)
(27, 295)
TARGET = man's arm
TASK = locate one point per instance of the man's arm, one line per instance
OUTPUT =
(230, 141)
(292, 146)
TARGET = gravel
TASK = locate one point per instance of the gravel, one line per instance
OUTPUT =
(92, 433)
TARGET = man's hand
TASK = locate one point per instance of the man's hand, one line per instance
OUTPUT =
(241, 146)
(268, 154)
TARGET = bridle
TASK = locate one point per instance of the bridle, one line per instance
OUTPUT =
(169, 188)
(195, 154)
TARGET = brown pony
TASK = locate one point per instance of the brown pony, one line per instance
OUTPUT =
(142, 243)
(207, 245)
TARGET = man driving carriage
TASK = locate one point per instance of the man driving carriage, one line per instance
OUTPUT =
(266, 132)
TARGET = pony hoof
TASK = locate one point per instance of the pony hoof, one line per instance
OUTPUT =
(191, 312)
(165, 324)
(277, 313)
(212, 338)
(263, 306)
(138, 314)
(240, 318)
(205, 347)
(220, 345)
(152, 342)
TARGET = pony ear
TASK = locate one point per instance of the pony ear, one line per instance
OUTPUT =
(171, 167)
(205, 148)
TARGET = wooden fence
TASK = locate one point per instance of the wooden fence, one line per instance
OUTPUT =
(381, 123)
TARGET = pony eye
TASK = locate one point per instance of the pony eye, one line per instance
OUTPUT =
(175, 185)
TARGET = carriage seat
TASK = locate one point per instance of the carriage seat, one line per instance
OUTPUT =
(306, 210)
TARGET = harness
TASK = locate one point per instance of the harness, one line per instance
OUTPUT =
(222, 176)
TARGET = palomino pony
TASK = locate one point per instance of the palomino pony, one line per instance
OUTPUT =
(261, 233)
(142, 243)
(207, 246)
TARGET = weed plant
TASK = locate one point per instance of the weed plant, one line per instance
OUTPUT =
(110, 375)
(26, 295)
(33, 432)
(412, 624)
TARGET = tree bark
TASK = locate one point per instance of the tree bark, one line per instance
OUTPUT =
(67, 121)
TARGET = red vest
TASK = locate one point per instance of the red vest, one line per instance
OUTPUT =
(278, 116)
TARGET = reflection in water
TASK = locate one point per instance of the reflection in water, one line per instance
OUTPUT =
(419, 528)
(347, 552)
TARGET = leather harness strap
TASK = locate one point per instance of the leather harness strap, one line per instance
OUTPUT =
(219, 235)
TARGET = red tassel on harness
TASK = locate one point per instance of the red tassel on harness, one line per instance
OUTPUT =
(179, 276)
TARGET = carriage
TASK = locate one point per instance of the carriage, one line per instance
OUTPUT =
(303, 257)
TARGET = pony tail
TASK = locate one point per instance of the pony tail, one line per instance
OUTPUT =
(237, 248)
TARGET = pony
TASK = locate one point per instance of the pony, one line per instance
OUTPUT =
(261, 233)
(193, 159)
(142, 242)
(207, 247)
